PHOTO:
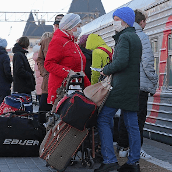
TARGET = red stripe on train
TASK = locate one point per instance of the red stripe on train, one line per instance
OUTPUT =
(162, 68)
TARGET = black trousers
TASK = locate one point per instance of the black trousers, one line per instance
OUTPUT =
(2, 96)
(44, 107)
(123, 135)
(38, 98)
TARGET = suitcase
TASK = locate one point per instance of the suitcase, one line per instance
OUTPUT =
(61, 144)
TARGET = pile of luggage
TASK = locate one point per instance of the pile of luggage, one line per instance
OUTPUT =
(16, 102)
(68, 130)
(62, 142)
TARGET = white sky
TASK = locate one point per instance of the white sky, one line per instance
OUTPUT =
(13, 30)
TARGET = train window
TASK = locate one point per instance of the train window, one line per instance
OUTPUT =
(169, 62)
(156, 65)
(169, 72)
(154, 44)
(170, 43)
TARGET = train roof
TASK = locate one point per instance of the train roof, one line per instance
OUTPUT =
(107, 19)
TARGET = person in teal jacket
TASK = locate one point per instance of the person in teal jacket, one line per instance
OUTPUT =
(99, 57)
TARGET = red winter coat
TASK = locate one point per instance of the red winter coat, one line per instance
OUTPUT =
(62, 56)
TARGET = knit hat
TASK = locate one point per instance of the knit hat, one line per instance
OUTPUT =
(69, 21)
(82, 40)
(126, 14)
(3, 43)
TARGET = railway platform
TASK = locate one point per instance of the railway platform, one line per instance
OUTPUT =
(161, 160)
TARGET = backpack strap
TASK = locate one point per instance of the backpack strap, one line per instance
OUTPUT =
(107, 51)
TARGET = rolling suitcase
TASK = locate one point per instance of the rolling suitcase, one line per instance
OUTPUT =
(60, 145)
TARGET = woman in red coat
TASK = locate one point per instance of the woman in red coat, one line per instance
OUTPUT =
(64, 57)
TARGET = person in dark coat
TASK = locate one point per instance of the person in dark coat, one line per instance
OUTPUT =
(88, 55)
(5, 71)
(125, 71)
(24, 80)
(148, 84)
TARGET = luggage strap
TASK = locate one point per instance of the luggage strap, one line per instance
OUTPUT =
(107, 51)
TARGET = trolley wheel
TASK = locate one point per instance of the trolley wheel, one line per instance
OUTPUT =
(72, 163)
(47, 165)
(84, 163)
(90, 163)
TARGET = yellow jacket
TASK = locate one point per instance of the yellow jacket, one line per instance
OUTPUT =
(99, 57)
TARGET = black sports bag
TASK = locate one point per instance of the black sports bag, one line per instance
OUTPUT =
(77, 110)
(20, 135)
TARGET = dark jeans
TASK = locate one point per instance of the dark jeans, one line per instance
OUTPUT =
(123, 135)
(44, 107)
(105, 129)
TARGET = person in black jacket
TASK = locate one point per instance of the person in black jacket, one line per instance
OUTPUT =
(24, 81)
(88, 55)
(5, 71)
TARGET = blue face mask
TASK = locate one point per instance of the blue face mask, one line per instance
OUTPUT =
(77, 33)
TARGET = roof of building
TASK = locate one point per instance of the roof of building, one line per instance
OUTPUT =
(36, 30)
(87, 6)
(82, 7)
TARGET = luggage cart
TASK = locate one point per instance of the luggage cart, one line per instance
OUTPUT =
(87, 154)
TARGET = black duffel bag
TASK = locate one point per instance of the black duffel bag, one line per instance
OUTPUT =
(77, 110)
(20, 135)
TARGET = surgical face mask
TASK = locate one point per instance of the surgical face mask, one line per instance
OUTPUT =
(77, 33)
(118, 26)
